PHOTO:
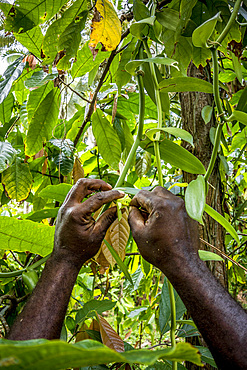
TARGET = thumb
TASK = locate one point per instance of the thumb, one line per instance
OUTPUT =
(105, 221)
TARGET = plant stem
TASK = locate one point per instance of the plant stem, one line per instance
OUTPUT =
(19, 272)
(160, 177)
(230, 22)
(214, 153)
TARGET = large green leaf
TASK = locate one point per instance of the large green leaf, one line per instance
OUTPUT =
(237, 115)
(169, 18)
(165, 308)
(143, 163)
(133, 64)
(195, 198)
(39, 78)
(44, 213)
(180, 84)
(58, 29)
(43, 122)
(131, 105)
(57, 192)
(17, 180)
(32, 40)
(24, 15)
(6, 109)
(219, 218)
(176, 155)
(36, 96)
(91, 306)
(85, 62)
(186, 7)
(42, 354)
(7, 155)
(107, 139)
(63, 156)
(11, 74)
(24, 235)
(178, 132)
(202, 33)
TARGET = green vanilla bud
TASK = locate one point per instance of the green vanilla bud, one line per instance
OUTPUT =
(30, 279)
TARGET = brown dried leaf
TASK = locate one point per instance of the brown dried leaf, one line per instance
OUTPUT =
(82, 334)
(94, 326)
(44, 167)
(117, 235)
(78, 172)
(109, 337)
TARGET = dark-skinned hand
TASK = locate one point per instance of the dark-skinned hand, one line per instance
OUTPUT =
(163, 231)
(78, 236)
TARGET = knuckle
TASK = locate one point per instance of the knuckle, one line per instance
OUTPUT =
(100, 195)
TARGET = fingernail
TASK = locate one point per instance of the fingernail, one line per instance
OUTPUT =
(109, 185)
(121, 192)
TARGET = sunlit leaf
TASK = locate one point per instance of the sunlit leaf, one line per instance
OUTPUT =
(178, 132)
(133, 64)
(55, 355)
(43, 122)
(78, 172)
(7, 155)
(6, 109)
(90, 307)
(209, 256)
(32, 40)
(180, 84)
(143, 164)
(57, 192)
(11, 74)
(109, 337)
(219, 218)
(63, 155)
(107, 139)
(17, 180)
(195, 198)
(25, 235)
(106, 27)
(237, 115)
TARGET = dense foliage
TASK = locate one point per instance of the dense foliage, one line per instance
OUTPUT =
(104, 102)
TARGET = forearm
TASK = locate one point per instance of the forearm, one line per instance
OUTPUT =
(221, 321)
(44, 313)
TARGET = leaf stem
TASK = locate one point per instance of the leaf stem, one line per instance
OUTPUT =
(229, 23)
(214, 153)
(19, 272)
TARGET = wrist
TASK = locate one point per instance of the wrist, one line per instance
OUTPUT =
(63, 256)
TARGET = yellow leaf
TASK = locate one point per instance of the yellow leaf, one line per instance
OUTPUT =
(78, 171)
(106, 27)
(109, 337)
(117, 235)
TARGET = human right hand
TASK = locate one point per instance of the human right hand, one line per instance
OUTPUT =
(165, 235)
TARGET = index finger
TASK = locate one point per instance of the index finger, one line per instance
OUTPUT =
(97, 200)
(85, 187)
(143, 199)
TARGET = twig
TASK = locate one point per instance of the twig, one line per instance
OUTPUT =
(16, 260)
(74, 91)
(223, 254)
(101, 81)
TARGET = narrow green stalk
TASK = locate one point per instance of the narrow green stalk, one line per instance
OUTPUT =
(139, 132)
(19, 272)
(214, 153)
(230, 22)
(216, 83)
(160, 177)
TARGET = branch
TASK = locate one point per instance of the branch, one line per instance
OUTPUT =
(75, 92)
(101, 81)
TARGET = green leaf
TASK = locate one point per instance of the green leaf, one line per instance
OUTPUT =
(165, 308)
(93, 305)
(36, 96)
(207, 113)
(7, 155)
(41, 215)
(133, 64)
(63, 155)
(56, 32)
(206, 356)
(57, 192)
(32, 40)
(131, 105)
(43, 122)
(107, 139)
(11, 74)
(195, 198)
(237, 115)
(209, 256)
(178, 132)
(140, 11)
(56, 355)
(143, 163)
(169, 18)
(85, 63)
(219, 218)
(202, 33)
(120, 263)
(6, 109)
(130, 191)
(17, 180)
(23, 15)
(24, 235)
(122, 76)
(200, 56)
(180, 84)
(38, 79)
(176, 156)
(186, 7)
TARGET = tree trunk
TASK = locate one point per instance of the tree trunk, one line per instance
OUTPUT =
(191, 107)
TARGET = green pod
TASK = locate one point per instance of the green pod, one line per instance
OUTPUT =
(30, 279)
